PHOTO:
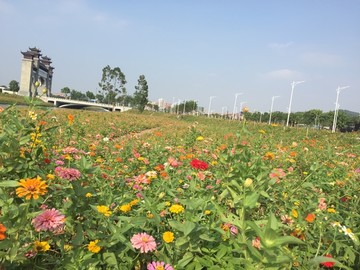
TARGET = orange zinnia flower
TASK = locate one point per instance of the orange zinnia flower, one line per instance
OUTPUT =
(2, 232)
(31, 187)
(269, 155)
(71, 119)
(310, 218)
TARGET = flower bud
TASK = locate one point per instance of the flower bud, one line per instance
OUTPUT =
(248, 182)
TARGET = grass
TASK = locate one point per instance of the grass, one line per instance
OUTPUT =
(20, 100)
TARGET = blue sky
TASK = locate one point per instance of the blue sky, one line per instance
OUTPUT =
(191, 50)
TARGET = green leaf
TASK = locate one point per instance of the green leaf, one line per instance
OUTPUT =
(9, 183)
(288, 240)
(181, 241)
(204, 262)
(79, 237)
(206, 237)
(251, 200)
(176, 225)
(188, 227)
(110, 260)
(187, 258)
(272, 222)
(221, 253)
(235, 195)
(269, 238)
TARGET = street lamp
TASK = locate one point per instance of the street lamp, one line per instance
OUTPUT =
(292, 91)
(223, 110)
(172, 105)
(271, 109)
(178, 105)
(337, 106)
(211, 98)
(236, 95)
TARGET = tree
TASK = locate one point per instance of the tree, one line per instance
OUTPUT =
(90, 95)
(313, 117)
(100, 98)
(14, 86)
(77, 95)
(141, 93)
(66, 91)
(112, 83)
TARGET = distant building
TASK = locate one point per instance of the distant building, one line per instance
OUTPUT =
(163, 105)
(36, 74)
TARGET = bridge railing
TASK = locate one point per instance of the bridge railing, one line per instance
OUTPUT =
(80, 102)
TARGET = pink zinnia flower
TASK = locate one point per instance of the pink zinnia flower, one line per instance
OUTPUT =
(159, 265)
(173, 162)
(144, 242)
(277, 174)
(256, 243)
(67, 173)
(49, 220)
(322, 204)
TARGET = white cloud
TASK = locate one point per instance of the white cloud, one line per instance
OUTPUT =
(283, 74)
(321, 59)
(280, 45)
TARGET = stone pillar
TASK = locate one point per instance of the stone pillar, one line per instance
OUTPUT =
(26, 79)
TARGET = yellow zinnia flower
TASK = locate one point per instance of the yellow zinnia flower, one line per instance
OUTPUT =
(93, 247)
(31, 187)
(103, 209)
(294, 213)
(41, 246)
(125, 208)
(176, 209)
(168, 237)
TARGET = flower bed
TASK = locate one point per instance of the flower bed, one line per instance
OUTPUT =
(90, 190)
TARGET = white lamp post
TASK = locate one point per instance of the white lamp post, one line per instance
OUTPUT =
(211, 98)
(337, 106)
(172, 105)
(178, 105)
(236, 96)
(292, 91)
(271, 108)
(223, 110)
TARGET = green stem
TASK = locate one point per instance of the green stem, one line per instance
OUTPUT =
(242, 222)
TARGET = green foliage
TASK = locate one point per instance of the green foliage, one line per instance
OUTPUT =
(112, 83)
(141, 94)
(14, 86)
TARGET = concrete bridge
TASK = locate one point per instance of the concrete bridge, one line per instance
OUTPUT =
(78, 104)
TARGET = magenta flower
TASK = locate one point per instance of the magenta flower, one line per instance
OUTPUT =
(159, 265)
(144, 242)
(67, 173)
(49, 220)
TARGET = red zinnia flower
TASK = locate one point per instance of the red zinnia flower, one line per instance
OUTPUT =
(199, 164)
(328, 264)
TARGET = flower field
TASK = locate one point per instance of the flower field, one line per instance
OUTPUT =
(95, 190)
